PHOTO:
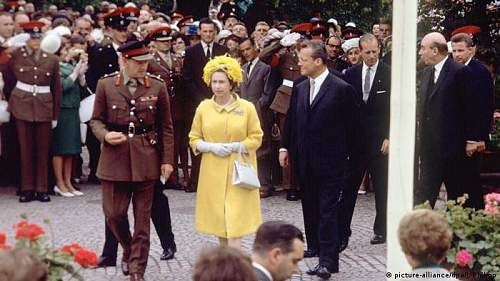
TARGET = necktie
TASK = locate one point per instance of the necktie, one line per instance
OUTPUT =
(311, 91)
(366, 85)
(132, 85)
(209, 55)
(248, 69)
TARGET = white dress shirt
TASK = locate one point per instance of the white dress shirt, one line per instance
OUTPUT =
(263, 269)
(318, 81)
(437, 69)
(373, 70)
(205, 46)
(254, 62)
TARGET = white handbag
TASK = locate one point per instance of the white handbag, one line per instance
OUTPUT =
(4, 114)
(244, 174)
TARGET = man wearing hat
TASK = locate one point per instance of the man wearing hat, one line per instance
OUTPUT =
(184, 24)
(176, 16)
(230, 18)
(103, 59)
(35, 103)
(132, 121)
(160, 211)
(287, 64)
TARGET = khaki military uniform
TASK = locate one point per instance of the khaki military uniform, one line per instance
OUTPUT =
(142, 112)
(169, 67)
(34, 102)
(289, 70)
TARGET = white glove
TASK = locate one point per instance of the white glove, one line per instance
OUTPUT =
(236, 147)
(216, 148)
(277, 35)
(290, 39)
(54, 124)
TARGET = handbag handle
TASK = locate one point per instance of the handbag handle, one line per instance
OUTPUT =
(241, 157)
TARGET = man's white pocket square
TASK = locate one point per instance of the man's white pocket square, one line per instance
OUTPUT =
(381, 92)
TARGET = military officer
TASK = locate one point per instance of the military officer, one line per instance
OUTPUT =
(103, 59)
(35, 103)
(164, 64)
(132, 120)
(285, 59)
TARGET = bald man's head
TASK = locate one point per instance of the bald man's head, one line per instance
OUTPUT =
(433, 48)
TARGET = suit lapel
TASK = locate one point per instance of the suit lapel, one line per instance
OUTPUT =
(254, 70)
(442, 77)
(424, 84)
(322, 91)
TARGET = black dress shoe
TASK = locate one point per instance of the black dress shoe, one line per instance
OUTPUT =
(189, 189)
(324, 273)
(343, 245)
(125, 269)
(168, 254)
(292, 195)
(42, 197)
(313, 271)
(310, 253)
(106, 261)
(26, 196)
(377, 239)
(93, 179)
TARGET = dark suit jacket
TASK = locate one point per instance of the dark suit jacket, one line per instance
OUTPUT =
(321, 134)
(261, 275)
(449, 112)
(375, 113)
(103, 60)
(485, 93)
(192, 72)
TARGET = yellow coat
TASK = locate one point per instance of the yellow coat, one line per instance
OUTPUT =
(222, 209)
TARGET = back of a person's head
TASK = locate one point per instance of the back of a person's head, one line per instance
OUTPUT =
(425, 236)
(276, 234)
(21, 265)
(223, 264)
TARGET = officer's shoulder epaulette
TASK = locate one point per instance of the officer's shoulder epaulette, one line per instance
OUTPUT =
(109, 75)
(157, 77)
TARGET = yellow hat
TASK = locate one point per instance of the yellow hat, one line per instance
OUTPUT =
(225, 63)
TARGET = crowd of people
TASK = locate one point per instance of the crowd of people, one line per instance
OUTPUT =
(164, 101)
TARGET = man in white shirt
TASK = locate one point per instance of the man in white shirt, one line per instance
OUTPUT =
(319, 133)
(277, 250)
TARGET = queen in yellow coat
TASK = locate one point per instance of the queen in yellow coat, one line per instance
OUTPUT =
(223, 126)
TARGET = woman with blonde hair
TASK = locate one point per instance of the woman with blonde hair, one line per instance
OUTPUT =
(222, 127)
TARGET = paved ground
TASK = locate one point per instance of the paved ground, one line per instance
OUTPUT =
(81, 220)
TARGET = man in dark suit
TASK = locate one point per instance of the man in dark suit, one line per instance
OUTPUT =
(448, 126)
(372, 82)
(196, 90)
(256, 89)
(277, 250)
(463, 52)
(318, 134)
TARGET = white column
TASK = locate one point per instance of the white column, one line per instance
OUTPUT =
(402, 134)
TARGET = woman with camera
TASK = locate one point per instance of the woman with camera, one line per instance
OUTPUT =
(66, 140)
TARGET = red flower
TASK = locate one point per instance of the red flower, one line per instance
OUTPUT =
(3, 238)
(71, 249)
(86, 258)
(30, 231)
(463, 258)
